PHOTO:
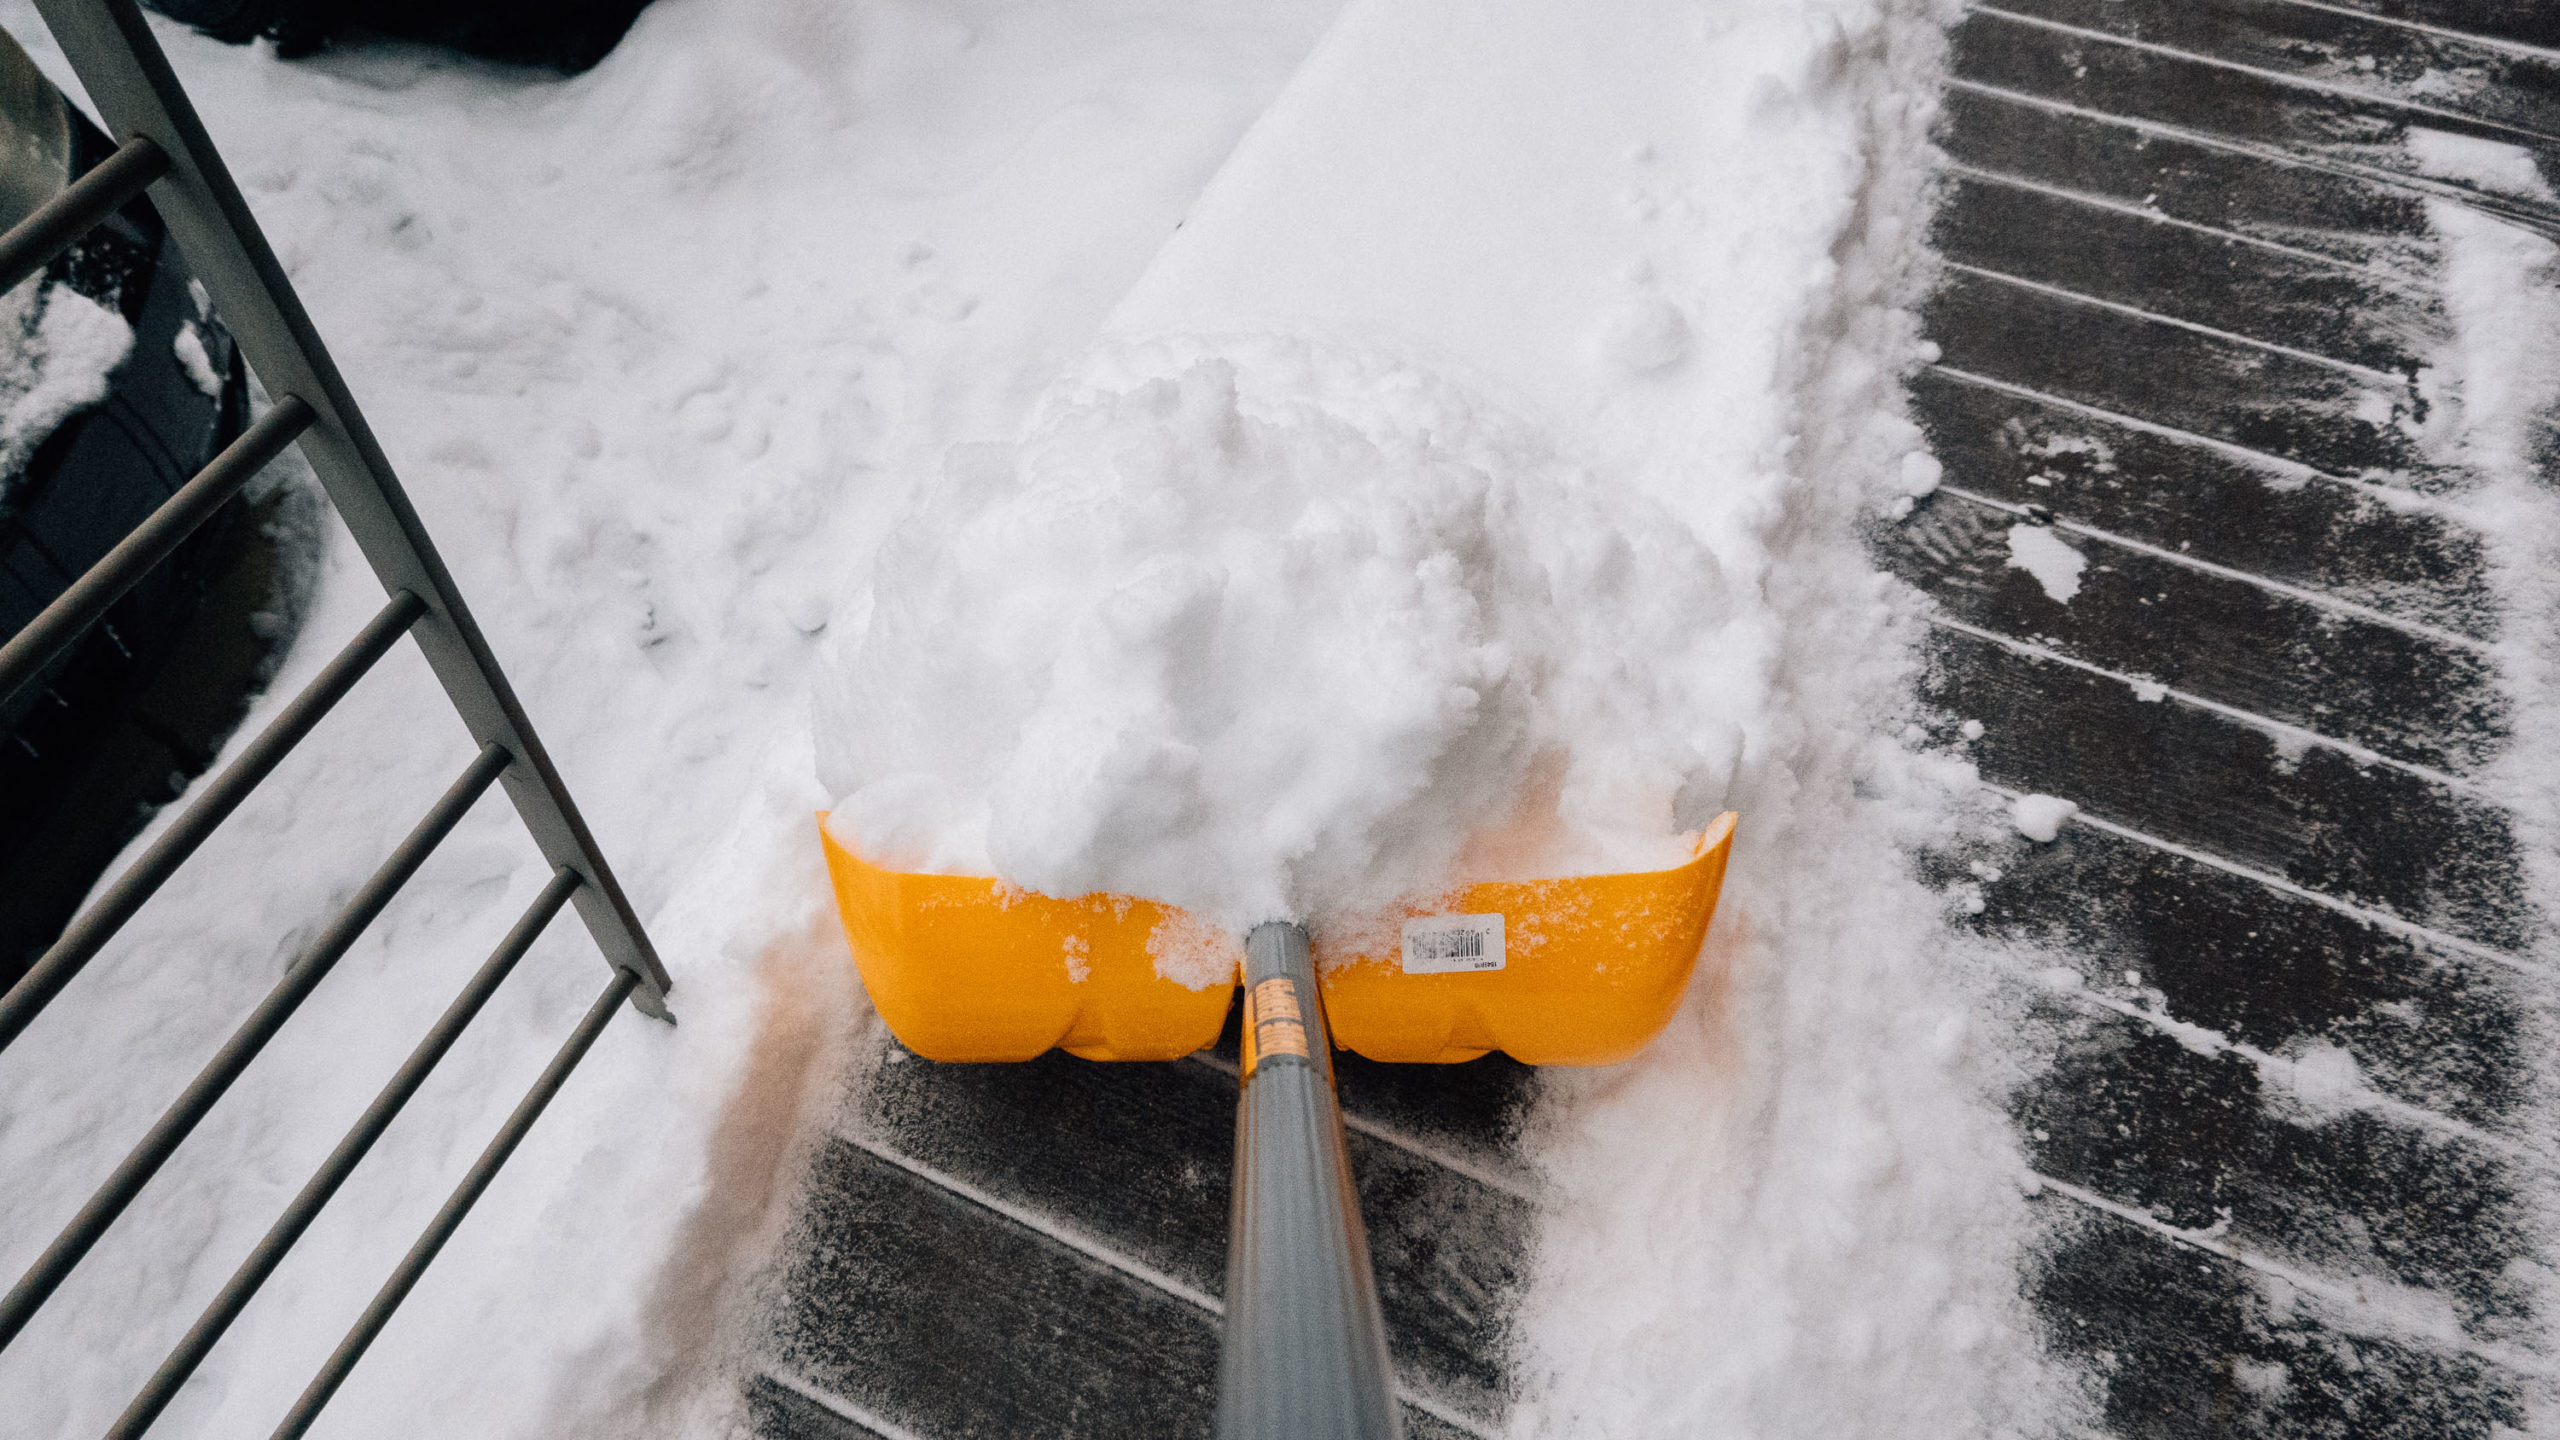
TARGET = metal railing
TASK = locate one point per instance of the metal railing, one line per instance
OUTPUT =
(163, 150)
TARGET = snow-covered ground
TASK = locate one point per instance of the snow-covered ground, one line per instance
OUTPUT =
(659, 350)
(819, 408)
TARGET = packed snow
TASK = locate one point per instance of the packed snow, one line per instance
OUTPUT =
(57, 348)
(821, 410)
(2054, 562)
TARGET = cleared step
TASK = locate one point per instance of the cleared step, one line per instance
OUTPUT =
(2421, 1222)
(2347, 422)
(2283, 523)
(2398, 64)
(1136, 1157)
(2364, 834)
(951, 1322)
(2410, 696)
(2309, 208)
(2276, 296)
(2445, 1032)
(947, 1321)
(777, 1412)
(2185, 1343)
(2115, 79)
(2524, 22)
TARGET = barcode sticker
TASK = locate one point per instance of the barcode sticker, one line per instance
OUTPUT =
(1446, 944)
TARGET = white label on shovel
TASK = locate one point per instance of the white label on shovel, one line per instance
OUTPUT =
(1443, 944)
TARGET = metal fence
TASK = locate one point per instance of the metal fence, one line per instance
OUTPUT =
(164, 150)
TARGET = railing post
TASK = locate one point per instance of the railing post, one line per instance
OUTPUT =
(120, 63)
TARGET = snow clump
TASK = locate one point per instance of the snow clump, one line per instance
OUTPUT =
(1283, 649)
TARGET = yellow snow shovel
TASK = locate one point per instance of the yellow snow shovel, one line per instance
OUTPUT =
(1577, 971)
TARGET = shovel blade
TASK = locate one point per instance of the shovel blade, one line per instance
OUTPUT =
(1586, 971)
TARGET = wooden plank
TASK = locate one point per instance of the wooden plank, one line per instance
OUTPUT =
(2184, 1343)
(2393, 64)
(2277, 296)
(2201, 1143)
(1137, 1158)
(2412, 697)
(2364, 834)
(2447, 1032)
(777, 1412)
(2350, 220)
(2345, 422)
(943, 1319)
(2521, 22)
(2114, 79)
(2285, 524)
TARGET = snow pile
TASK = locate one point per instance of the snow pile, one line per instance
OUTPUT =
(2496, 384)
(57, 348)
(1287, 651)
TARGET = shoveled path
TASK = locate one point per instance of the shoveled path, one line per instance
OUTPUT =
(1038, 1249)
(2191, 284)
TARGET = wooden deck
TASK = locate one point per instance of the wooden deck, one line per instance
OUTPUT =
(2191, 282)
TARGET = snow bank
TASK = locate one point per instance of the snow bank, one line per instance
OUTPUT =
(57, 348)
(648, 347)
(1486, 457)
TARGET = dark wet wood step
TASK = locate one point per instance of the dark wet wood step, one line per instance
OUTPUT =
(2524, 22)
(2365, 834)
(1137, 1157)
(2343, 421)
(2432, 1027)
(2390, 63)
(954, 1323)
(944, 1319)
(2205, 1142)
(2281, 298)
(2413, 697)
(2113, 79)
(2354, 221)
(2184, 1344)
(2274, 521)
(777, 1412)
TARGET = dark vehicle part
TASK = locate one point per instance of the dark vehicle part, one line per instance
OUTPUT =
(565, 35)
(119, 725)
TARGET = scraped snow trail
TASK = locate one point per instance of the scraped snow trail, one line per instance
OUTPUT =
(1485, 458)
(1473, 480)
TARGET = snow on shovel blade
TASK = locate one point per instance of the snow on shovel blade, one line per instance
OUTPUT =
(1577, 971)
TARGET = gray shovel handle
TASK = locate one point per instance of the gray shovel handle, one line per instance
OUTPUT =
(1305, 1354)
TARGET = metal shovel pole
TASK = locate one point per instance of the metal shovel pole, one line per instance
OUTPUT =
(1305, 1354)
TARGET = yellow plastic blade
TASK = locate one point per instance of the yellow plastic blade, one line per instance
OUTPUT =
(968, 968)
(1592, 968)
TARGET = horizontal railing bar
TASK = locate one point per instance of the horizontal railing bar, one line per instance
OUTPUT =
(66, 1251)
(465, 1195)
(119, 60)
(253, 1272)
(31, 244)
(98, 924)
(76, 609)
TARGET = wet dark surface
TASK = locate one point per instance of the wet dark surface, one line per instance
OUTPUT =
(139, 705)
(904, 1279)
(2264, 627)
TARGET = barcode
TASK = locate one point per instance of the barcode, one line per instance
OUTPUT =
(1449, 945)
(1445, 944)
